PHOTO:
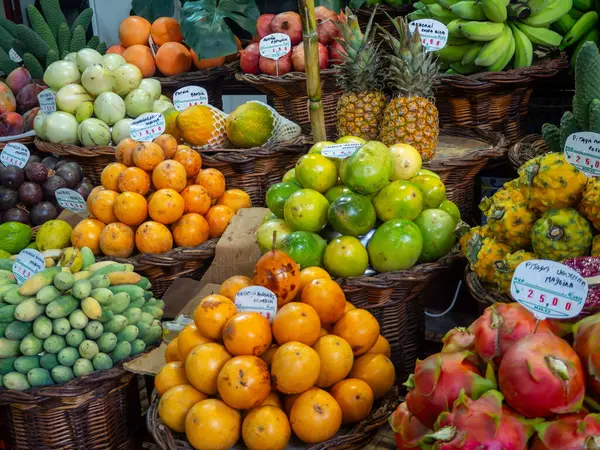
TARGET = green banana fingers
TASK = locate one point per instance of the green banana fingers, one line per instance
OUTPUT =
(494, 50)
(482, 31)
(523, 48)
(541, 36)
(583, 26)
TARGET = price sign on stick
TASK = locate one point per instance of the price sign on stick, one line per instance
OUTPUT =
(14, 56)
(548, 289)
(71, 200)
(257, 299)
(340, 151)
(582, 150)
(189, 96)
(147, 127)
(14, 155)
(275, 46)
(47, 101)
(28, 263)
(434, 34)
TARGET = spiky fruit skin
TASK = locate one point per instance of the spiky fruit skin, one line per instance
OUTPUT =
(596, 246)
(465, 238)
(437, 383)
(571, 432)
(483, 254)
(541, 375)
(590, 203)
(408, 431)
(359, 114)
(501, 326)
(550, 182)
(413, 121)
(560, 234)
(586, 343)
(505, 269)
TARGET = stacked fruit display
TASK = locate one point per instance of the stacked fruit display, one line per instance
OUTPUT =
(290, 23)
(540, 389)
(18, 103)
(381, 207)
(34, 187)
(128, 217)
(493, 35)
(68, 321)
(321, 363)
(371, 3)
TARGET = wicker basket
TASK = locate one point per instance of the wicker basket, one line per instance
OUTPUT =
(353, 438)
(496, 101)
(27, 141)
(92, 160)
(97, 411)
(288, 96)
(255, 169)
(527, 148)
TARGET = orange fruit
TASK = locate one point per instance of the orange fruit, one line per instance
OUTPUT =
(102, 205)
(232, 285)
(147, 155)
(244, 382)
(359, 328)
(247, 333)
(377, 371)
(131, 208)
(288, 402)
(166, 206)
(315, 416)
(218, 218)
(266, 427)
(327, 297)
(213, 181)
(296, 322)
(355, 398)
(124, 151)
(323, 332)
(117, 48)
(153, 237)
(171, 375)
(172, 352)
(272, 399)
(236, 199)
(268, 355)
(90, 198)
(134, 30)
(190, 230)
(189, 338)
(110, 175)
(295, 368)
(169, 174)
(336, 359)
(176, 403)
(117, 239)
(168, 144)
(141, 56)
(309, 274)
(203, 365)
(87, 234)
(165, 29)
(134, 179)
(349, 307)
(211, 315)
(172, 58)
(203, 64)
(211, 424)
(190, 159)
(382, 347)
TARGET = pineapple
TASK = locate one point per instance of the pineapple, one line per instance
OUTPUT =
(590, 203)
(482, 253)
(505, 269)
(411, 117)
(560, 234)
(550, 182)
(360, 109)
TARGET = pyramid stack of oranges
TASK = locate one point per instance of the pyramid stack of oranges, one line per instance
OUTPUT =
(172, 55)
(156, 197)
(233, 375)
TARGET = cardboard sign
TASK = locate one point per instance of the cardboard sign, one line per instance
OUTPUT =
(14, 56)
(257, 299)
(28, 263)
(275, 45)
(582, 150)
(71, 200)
(47, 101)
(340, 151)
(189, 96)
(549, 289)
(434, 34)
(14, 154)
(147, 127)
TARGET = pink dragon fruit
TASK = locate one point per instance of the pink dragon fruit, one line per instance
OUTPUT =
(407, 428)
(541, 375)
(480, 424)
(586, 343)
(458, 340)
(572, 432)
(501, 326)
(438, 381)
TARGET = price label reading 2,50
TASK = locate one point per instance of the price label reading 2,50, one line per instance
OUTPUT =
(582, 150)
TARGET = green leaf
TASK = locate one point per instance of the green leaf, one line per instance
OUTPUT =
(355, 4)
(205, 30)
(334, 5)
(153, 9)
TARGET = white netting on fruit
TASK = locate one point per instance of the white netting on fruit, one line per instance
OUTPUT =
(284, 129)
(219, 134)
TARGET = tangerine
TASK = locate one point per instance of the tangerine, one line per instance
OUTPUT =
(124, 151)
(236, 199)
(213, 181)
(172, 58)
(134, 30)
(377, 371)
(315, 416)
(187, 339)
(153, 237)
(295, 368)
(172, 352)
(87, 234)
(272, 399)
(102, 205)
(176, 403)
(355, 398)
(190, 159)
(211, 424)
(327, 297)
(232, 285)
(296, 322)
(90, 198)
(190, 230)
(166, 206)
(336, 359)
(218, 218)
(171, 375)
(382, 347)
(359, 328)
(147, 155)
(247, 333)
(165, 29)
(323, 332)
(349, 307)
(268, 355)
(169, 174)
(110, 175)
(288, 402)
(117, 239)
(168, 144)
(310, 274)
(134, 179)
(211, 315)
(278, 272)
(203, 64)
(266, 427)
(204, 364)
(141, 56)
(244, 382)
(117, 48)
(131, 208)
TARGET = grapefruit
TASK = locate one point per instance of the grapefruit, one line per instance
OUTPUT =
(433, 189)
(396, 245)
(319, 146)
(437, 229)
(352, 214)
(264, 234)
(314, 171)
(368, 169)
(452, 209)
(336, 192)
(306, 210)
(305, 248)
(398, 200)
(346, 257)
(277, 194)
(407, 161)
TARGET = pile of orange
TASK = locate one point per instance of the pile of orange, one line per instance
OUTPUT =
(172, 57)
(230, 375)
(156, 196)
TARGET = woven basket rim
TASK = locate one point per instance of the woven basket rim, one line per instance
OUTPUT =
(73, 150)
(199, 76)
(239, 155)
(483, 293)
(28, 140)
(288, 78)
(526, 148)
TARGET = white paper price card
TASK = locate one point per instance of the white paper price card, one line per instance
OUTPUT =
(275, 45)
(28, 263)
(582, 150)
(434, 34)
(257, 299)
(14, 154)
(47, 101)
(189, 96)
(549, 289)
(14, 56)
(147, 127)
(71, 200)
(340, 151)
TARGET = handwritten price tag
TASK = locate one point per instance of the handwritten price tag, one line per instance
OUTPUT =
(71, 200)
(549, 289)
(147, 127)
(14, 155)
(14, 56)
(189, 96)
(340, 151)
(257, 299)
(582, 150)
(275, 45)
(434, 34)
(47, 101)
(28, 263)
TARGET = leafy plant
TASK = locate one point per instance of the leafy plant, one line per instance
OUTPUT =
(153, 9)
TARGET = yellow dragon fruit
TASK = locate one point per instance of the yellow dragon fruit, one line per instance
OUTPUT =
(590, 203)
(482, 253)
(483, 231)
(596, 246)
(505, 269)
(561, 234)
